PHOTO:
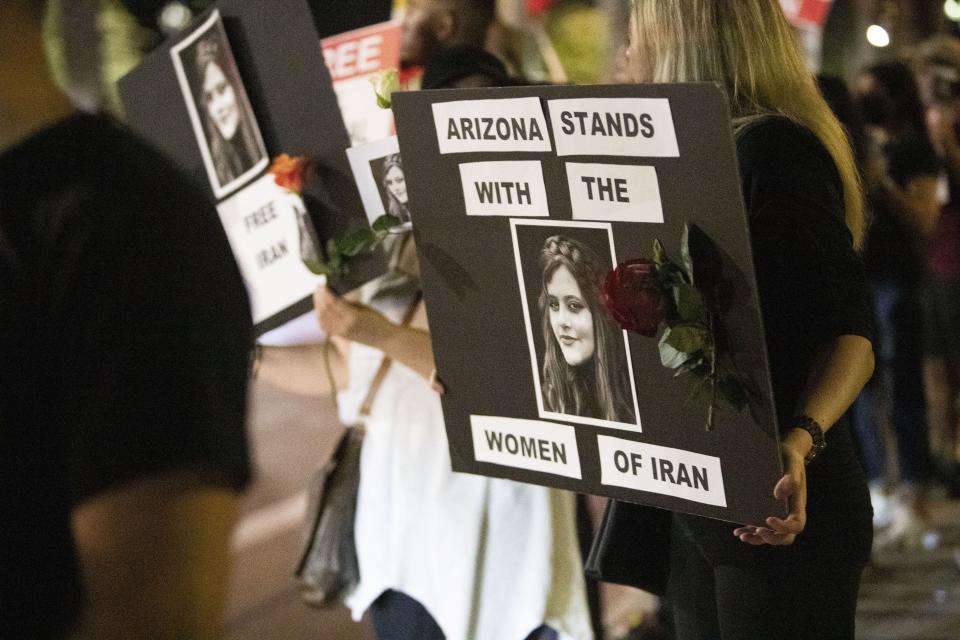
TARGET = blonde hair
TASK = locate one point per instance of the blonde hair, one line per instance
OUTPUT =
(748, 47)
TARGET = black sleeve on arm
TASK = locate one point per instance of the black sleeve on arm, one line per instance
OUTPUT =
(153, 331)
(808, 273)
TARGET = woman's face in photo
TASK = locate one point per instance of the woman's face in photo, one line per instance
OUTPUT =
(396, 184)
(570, 317)
(221, 101)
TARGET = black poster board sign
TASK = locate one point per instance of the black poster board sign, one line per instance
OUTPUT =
(542, 386)
(287, 105)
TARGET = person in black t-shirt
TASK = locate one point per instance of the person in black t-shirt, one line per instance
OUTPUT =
(124, 334)
(796, 576)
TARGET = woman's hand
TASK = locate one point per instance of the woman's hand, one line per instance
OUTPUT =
(358, 323)
(354, 322)
(791, 487)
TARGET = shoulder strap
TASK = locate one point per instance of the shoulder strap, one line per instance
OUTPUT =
(387, 361)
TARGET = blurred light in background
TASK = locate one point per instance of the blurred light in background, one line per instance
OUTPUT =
(174, 17)
(877, 36)
(952, 9)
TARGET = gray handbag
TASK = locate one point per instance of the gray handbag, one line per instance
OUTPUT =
(328, 569)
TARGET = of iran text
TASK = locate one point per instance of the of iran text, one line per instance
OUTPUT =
(664, 470)
(534, 445)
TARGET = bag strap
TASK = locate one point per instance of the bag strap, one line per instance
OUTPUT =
(381, 373)
(387, 361)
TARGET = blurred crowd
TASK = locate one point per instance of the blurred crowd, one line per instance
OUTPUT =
(903, 121)
(903, 117)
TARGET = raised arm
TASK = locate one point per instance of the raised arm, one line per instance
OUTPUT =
(359, 323)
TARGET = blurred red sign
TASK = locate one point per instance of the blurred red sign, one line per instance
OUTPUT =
(353, 58)
(362, 52)
(805, 13)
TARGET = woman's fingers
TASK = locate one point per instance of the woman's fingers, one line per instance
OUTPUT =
(760, 536)
(786, 489)
(436, 383)
(331, 312)
(792, 487)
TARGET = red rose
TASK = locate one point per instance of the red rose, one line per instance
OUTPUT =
(290, 172)
(633, 296)
(537, 8)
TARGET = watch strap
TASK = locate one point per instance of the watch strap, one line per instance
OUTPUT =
(812, 427)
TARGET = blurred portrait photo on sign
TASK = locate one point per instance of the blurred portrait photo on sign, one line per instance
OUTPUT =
(378, 171)
(581, 359)
(220, 112)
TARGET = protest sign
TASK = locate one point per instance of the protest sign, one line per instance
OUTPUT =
(523, 200)
(353, 60)
(245, 83)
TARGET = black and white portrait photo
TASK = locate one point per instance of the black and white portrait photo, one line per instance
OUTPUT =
(223, 120)
(580, 356)
(378, 171)
(393, 186)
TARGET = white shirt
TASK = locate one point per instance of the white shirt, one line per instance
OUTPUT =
(489, 559)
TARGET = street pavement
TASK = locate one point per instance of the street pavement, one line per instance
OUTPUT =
(905, 595)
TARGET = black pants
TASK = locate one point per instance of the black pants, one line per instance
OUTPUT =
(397, 616)
(714, 601)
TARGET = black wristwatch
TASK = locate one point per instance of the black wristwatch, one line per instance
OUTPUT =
(812, 427)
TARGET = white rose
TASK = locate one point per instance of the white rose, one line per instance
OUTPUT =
(384, 84)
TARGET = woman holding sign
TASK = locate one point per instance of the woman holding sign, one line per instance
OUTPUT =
(795, 576)
(442, 555)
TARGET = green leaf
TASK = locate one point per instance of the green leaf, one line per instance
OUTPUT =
(685, 256)
(688, 338)
(732, 391)
(690, 304)
(670, 275)
(334, 262)
(659, 255)
(357, 242)
(316, 267)
(693, 365)
(385, 223)
(333, 251)
(696, 390)
(670, 357)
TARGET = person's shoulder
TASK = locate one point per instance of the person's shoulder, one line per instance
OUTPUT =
(772, 137)
(126, 152)
(133, 174)
(96, 153)
(780, 149)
